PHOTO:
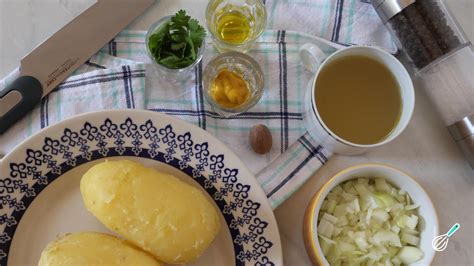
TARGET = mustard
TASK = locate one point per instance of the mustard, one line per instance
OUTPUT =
(229, 89)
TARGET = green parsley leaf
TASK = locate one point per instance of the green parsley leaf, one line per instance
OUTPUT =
(175, 44)
(197, 32)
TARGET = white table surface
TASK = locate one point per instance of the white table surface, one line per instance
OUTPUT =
(425, 150)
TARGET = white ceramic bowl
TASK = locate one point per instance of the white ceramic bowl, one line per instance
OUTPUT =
(426, 211)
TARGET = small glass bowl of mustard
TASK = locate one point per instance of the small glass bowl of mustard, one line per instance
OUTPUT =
(233, 83)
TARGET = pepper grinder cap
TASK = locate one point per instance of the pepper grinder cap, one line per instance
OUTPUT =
(463, 133)
(386, 9)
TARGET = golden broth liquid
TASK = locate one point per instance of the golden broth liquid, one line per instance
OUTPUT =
(358, 99)
(234, 27)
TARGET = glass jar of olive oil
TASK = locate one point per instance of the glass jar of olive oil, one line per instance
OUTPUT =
(235, 25)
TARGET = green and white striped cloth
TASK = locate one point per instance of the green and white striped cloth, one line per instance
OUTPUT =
(103, 82)
(340, 21)
(114, 78)
(293, 157)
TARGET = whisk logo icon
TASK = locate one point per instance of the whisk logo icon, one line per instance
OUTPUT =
(440, 243)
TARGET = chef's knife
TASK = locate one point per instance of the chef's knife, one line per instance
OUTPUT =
(55, 59)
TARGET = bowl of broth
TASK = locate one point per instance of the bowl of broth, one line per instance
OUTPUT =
(359, 98)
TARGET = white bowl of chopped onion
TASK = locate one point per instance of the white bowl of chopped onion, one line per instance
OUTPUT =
(370, 215)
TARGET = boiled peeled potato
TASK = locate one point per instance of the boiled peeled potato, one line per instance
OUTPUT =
(94, 249)
(158, 212)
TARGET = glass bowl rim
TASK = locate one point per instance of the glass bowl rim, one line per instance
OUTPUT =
(152, 29)
(253, 39)
(259, 91)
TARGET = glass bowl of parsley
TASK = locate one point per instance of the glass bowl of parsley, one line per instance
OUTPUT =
(176, 45)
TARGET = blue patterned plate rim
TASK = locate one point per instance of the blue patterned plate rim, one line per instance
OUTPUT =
(57, 149)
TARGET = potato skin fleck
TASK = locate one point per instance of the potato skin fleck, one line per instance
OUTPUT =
(170, 219)
(89, 248)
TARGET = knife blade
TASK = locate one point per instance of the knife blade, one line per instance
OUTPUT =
(55, 59)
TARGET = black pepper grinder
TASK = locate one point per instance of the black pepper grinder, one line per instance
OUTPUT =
(442, 58)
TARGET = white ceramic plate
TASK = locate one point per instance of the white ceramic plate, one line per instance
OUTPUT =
(39, 185)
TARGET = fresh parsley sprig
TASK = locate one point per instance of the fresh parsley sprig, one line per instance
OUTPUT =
(176, 43)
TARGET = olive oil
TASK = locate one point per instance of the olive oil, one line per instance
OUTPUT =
(234, 27)
(358, 99)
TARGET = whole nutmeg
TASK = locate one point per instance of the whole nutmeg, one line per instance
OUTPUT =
(260, 139)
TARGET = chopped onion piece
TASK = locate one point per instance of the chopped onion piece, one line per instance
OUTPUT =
(325, 228)
(384, 236)
(337, 190)
(340, 210)
(327, 240)
(396, 261)
(410, 239)
(381, 185)
(348, 187)
(350, 209)
(355, 205)
(325, 246)
(346, 247)
(332, 196)
(410, 255)
(368, 201)
(380, 215)
(329, 218)
(350, 234)
(342, 221)
(348, 196)
(360, 234)
(395, 229)
(333, 254)
(361, 243)
(384, 199)
(331, 204)
(361, 189)
(410, 231)
(411, 207)
(324, 205)
(368, 216)
(364, 181)
(353, 220)
(411, 221)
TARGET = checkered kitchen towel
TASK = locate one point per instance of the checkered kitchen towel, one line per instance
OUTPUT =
(103, 82)
(108, 81)
(341, 21)
(280, 108)
(113, 79)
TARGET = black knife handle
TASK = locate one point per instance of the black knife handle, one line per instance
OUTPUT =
(30, 90)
